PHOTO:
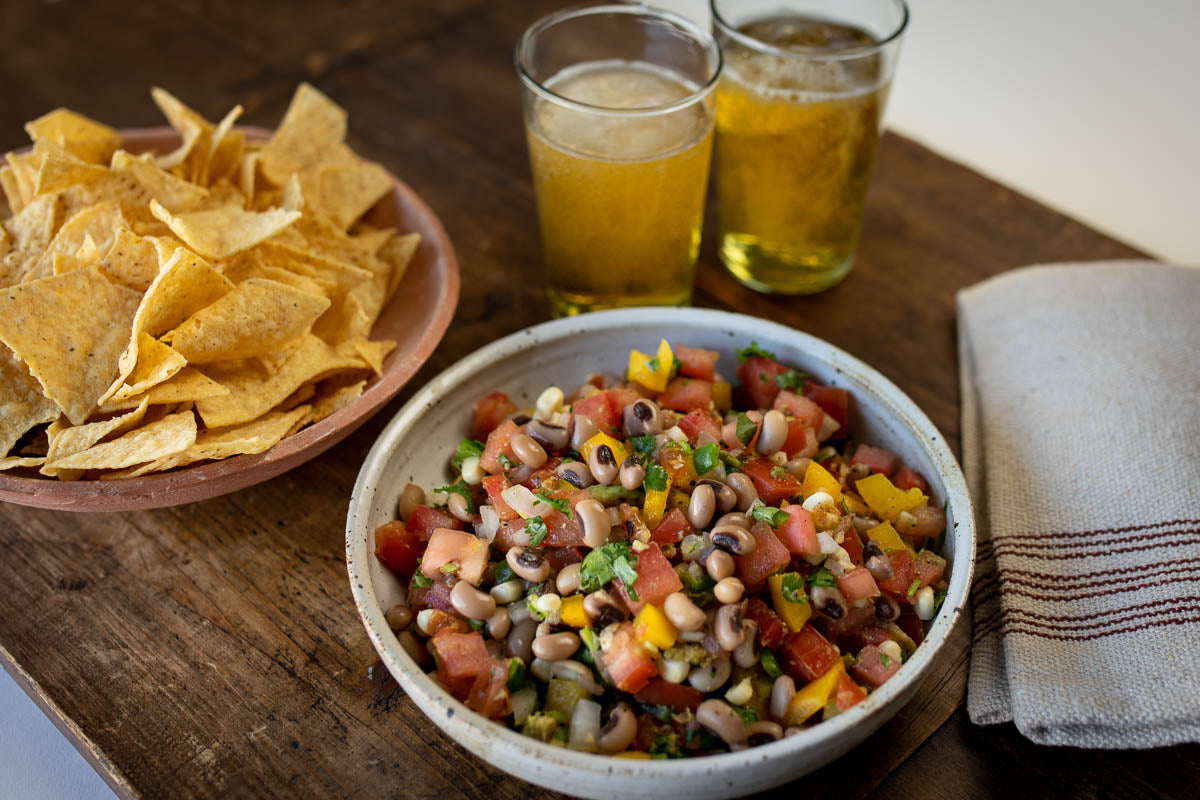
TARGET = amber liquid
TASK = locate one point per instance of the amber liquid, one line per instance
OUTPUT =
(796, 141)
(620, 199)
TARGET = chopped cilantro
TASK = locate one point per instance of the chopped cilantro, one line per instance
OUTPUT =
(913, 587)
(676, 365)
(590, 639)
(628, 575)
(656, 478)
(731, 462)
(792, 588)
(703, 738)
(531, 604)
(705, 458)
(476, 624)
(560, 504)
(772, 516)
(516, 675)
(883, 659)
(939, 597)
(753, 350)
(746, 428)
(461, 488)
(822, 577)
(770, 663)
(466, 449)
(536, 528)
(657, 711)
(779, 473)
(825, 453)
(419, 581)
(600, 567)
(749, 715)
(506, 462)
(654, 364)
(665, 747)
(643, 445)
(502, 571)
(791, 380)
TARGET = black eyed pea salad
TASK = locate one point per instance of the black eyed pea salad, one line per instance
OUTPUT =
(667, 563)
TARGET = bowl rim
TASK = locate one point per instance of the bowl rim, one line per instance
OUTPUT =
(430, 696)
(216, 478)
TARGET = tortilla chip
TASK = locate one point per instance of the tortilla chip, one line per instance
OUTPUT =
(299, 397)
(100, 222)
(372, 239)
(31, 231)
(188, 385)
(24, 172)
(221, 232)
(86, 138)
(252, 395)
(345, 191)
(173, 193)
(87, 255)
(22, 403)
(256, 316)
(67, 440)
(248, 265)
(12, 190)
(169, 435)
(372, 352)
(311, 133)
(228, 147)
(248, 173)
(156, 362)
(61, 170)
(398, 253)
(18, 461)
(74, 360)
(333, 402)
(131, 260)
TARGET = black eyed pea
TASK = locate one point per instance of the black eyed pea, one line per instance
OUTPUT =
(595, 521)
(729, 590)
(773, 433)
(410, 498)
(550, 437)
(508, 592)
(519, 643)
(526, 448)
(712, 677)
(734, 540)
(683, 613)
(567, 580)
(499, 623)
(457, 505)
(743, 487)
(399, 617)
(782, 692)
(575, 473)
(763, 732)
(745, 656)
(642, 418)
(619, 731)
(470, 602)
(556, 646)
(734, 518)
(603, 464)
(582, 429)
(578, 673)
(886, 608)
(721, 719)
(603, 609)
(719, 565)
(412, 645)
(829, 601)
(702, 506)
(727, 627)
(726, 498)
(632, 472)
(798, 466)
(529, 566)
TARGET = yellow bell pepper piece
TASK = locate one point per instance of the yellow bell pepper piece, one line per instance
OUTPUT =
(813, 697)
(572, 611)
(679, 500)
(678, 464)
(722, 394)
(887, 537)
(886, 500)
(651, 625)
(653, 373)
(817, 478)
(856, 505)
(656, 505)
(793, 613)
(637, 755)
(618, 449)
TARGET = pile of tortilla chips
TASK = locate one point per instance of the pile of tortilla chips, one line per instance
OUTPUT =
(162, 309)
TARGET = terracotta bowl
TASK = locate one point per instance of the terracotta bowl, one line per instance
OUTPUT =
(416, 447)
(416, 319)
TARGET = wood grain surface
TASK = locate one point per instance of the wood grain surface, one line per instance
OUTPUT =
(213, 649)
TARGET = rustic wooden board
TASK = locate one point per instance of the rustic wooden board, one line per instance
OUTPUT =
(213, 649)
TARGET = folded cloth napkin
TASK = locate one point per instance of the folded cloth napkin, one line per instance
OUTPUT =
(1081, 444)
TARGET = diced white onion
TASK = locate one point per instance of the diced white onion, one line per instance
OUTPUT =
(923, 603)
(741, 693)
(892, 650)
(829, 426)
(826, 543)
(585, 725)
(674, 671)
(549, 603)
(425, 620)
(818, 499)
(548, 402)
(471, 471)
(523, 704)
(490, 523)
(522, 501)
(778, 458)
(675, 433)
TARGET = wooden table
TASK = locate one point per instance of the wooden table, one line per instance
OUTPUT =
(213, 649)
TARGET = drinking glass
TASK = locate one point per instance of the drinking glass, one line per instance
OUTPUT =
(799, 111)
(619, 112)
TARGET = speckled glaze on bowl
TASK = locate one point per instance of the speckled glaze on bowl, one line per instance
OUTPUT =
(416, 446)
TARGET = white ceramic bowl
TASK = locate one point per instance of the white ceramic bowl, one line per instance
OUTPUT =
(416, 446)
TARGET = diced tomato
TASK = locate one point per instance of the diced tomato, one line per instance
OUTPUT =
(489, 693)
(497, 445)
(676, 696)
(801, 408)
(852, 545)
(466, 550)
(656, 580)
(801, 441)
(685, 394)
(460, 656)
(605, 408)
(772, 484)
(807, 654)
(834, 402)
(700, 421)
(843, 630)
(561, 531)
(547, 472)
(494, 485)
(902, 574)
(870, 668)
(435, 596)
(490, 411)
(930, 521)
(872, 634)
(629, 664)
(398, 548)
(673, 528)
(697, 363)
(928, 567)
(876, 459)
(758, 389)
(848, 693)
(911, 624)
(799, 533)
(857, 584)
(769, 557)
(560, 557)
(907, 479)
(425, 520)
(771, 629)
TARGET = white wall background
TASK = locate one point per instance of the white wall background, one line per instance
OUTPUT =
(1090, 106)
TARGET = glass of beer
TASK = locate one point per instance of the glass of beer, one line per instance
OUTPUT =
(799, 111)
(619, 112)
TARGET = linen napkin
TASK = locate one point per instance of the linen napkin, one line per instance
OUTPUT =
(1081, 444)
